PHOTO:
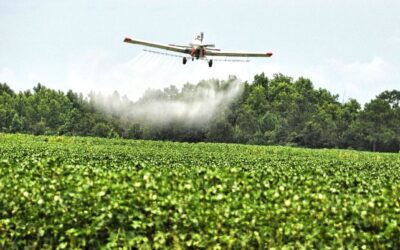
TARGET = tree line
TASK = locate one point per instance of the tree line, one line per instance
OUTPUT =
(276, 111)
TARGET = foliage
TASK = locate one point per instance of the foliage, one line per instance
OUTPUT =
(277, 111)
(71, 192)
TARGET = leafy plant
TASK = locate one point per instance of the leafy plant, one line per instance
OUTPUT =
(73, 192)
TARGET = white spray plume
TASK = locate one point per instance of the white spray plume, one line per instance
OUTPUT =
(193, 105)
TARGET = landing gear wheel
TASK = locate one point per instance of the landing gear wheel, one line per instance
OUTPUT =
(184, 60)
(210, 63)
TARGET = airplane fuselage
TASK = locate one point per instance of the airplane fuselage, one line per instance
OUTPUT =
(197, 51)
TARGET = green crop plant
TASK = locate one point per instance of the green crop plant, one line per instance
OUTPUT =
(73, 193)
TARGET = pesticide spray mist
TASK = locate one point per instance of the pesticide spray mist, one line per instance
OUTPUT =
(193, 105)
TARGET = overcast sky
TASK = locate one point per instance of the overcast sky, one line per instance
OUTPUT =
(352, 48)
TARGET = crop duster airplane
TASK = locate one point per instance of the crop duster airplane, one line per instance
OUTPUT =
(197, 50)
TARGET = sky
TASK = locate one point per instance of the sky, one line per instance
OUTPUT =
(351, 48)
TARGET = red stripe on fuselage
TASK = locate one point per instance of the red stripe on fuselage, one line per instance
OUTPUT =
(194, 50)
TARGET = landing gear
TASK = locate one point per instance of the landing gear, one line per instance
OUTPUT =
(184, 60)
(210, 62)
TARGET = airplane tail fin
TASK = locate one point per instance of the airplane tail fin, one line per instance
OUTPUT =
(199, 37)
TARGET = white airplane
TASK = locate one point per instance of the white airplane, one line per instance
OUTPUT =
(197, 49)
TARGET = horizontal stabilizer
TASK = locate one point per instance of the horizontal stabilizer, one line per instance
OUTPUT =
(213, 49)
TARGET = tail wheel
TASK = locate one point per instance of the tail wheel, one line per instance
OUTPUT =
(184, 60)
(210, 63)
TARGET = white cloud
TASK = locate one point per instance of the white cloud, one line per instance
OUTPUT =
(394, 40)
(7, 75)
(362, 80)
(368, 72)
(12, 78)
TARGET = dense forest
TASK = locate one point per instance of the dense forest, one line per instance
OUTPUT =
(277, 111)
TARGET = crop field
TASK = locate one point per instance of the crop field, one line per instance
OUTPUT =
(73, 192)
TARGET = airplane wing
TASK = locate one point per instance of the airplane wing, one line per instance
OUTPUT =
(237, 53)
(179, 46)
(157, 45)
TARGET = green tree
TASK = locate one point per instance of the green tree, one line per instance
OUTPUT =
(104, 130)
(375, 120)
(220, 130)
(134, 131)
(5, 89)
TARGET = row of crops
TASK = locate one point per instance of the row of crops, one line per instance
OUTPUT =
(72, 192)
